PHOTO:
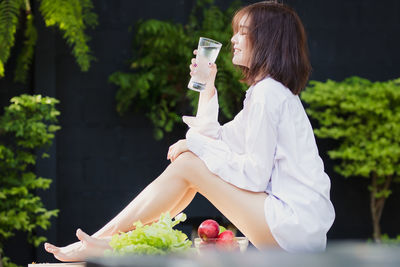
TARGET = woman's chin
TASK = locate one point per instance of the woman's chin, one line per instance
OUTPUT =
(236, 62)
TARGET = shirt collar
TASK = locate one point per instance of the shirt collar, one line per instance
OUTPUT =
(248, 91)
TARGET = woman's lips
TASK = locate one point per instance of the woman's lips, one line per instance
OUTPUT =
(236, 51)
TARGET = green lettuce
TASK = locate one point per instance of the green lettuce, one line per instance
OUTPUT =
(158, 238)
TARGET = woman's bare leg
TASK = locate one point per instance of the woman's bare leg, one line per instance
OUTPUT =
(92, 246)
(183, 203)
(87, 247)
(162, 195)
(243, 208)
(178, 195)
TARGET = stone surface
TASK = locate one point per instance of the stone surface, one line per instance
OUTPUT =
(72, 264)
(340, 254)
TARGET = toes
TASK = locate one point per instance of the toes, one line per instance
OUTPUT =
(51, 248)
(82, 236)
(68, 253)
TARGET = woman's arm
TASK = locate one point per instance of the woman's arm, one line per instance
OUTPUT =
(206, 119)
(207, 94)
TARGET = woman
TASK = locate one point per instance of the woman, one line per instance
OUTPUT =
(261, 170)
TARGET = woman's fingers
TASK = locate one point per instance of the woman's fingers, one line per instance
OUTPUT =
(170, 150)
(176, 149)
(213, 70)
(173, 155)
(176, 154)
(212, 66)
(195, 52)
(192, 66)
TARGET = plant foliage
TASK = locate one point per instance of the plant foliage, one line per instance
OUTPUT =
(71, 17)
(158, 81)
(364, 117)
(27, 124)
(391, 241)
(9, 13)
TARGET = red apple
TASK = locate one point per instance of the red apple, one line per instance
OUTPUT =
(226, 240)
(208, 229)
(226, 236)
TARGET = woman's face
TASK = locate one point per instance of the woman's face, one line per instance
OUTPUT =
(241, 46)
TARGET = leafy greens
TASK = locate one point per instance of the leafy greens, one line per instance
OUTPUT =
(158, 238)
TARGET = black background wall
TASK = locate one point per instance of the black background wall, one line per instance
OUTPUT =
(100, 161)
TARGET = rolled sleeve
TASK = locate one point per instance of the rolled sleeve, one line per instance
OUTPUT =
(206, 120)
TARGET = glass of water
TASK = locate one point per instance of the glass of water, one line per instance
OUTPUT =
(207, 51)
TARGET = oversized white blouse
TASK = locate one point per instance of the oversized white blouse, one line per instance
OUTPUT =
(270, 147)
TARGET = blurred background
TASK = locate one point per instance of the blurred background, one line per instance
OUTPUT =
(101, 159)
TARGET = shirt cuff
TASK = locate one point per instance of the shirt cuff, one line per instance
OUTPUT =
(197, 143)
(194, 143)
(209, 109)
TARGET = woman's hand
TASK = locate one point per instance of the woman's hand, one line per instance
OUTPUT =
(211, 77)
(176, 149)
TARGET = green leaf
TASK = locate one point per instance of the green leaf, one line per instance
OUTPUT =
(9, 14)
(38, 240)
(390, 241)
(25, 57)
(383, 193)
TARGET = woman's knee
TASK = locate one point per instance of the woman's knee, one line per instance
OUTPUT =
(183, 163)
(186, 160)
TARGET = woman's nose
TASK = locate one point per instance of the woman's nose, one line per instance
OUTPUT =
(233, 39)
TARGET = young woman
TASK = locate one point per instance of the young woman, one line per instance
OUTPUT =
(261, 170)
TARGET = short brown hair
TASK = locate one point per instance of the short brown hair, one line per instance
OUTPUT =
(278, 45)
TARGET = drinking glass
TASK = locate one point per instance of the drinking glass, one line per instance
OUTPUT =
(207, 52)
(238, 244)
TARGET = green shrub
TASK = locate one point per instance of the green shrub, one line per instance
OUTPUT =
(160, 67)
(364, 117)
(27, 124)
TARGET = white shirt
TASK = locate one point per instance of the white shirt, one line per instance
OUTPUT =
(270, 147)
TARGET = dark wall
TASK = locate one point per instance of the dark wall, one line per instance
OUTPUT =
(353, 38)
(100, 161)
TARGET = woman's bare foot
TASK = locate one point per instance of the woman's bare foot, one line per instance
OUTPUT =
(87, 247)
